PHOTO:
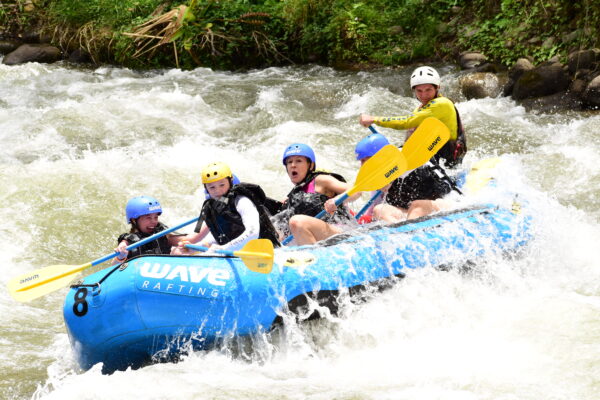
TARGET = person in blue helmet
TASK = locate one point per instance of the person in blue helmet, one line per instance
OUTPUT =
(415, 194)
(142, 213)
(313, 191)
(364, 150)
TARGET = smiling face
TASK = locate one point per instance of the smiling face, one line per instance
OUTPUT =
(297, 168)
(147, 223)
(218, 188)
(425, 92)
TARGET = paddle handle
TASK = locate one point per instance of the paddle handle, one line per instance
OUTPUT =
(142, 242)
(320, 215)
(372, 129)
(203, 249)
(366, 206)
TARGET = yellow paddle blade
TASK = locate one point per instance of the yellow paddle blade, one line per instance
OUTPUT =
(384, 167)
(257, 254)
(431, 135)
(481, 174)
(40, 282)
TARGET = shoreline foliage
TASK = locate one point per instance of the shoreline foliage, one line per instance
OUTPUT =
(234, 34)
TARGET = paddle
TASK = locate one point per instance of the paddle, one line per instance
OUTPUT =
(413, 150)
(32, 285)
(385, 166)
(415, 154)
(368, 204)
(424, 142)
(257, 254)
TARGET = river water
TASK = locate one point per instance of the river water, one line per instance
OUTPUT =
(77, 143)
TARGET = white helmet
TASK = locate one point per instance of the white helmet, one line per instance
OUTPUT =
(423, 75)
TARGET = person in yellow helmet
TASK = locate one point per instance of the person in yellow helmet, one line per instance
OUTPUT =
(233, 214)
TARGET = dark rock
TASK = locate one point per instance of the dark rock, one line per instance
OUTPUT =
(469, 60)
(32, 53)
(583, 74)
(79, 56)
(522, 65)
(557, 102)
(550, 61)
(6, 46)
(508, 88)
(583, 59)
(577, 87)
(591, 96)
(34, 37)
(479, 85)
(488, 67)
(541, 81)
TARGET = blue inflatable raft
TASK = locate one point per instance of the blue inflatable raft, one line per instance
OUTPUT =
(154, 307)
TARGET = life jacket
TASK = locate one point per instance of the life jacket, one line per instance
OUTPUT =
(224, 220)
(303, 200)
(157, 246)
(421, 184)
(453, 151)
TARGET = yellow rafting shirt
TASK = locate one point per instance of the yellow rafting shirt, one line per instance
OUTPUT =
(440, 107)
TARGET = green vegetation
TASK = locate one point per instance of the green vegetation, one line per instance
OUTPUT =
(348, 33)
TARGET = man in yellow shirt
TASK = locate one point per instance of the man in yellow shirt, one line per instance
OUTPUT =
(425, 83)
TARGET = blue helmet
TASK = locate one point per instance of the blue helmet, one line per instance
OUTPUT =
(234, 181)
(370, 145)
(299, 149)
(141, 205)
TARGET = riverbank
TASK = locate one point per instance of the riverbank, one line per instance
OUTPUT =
(343, 33)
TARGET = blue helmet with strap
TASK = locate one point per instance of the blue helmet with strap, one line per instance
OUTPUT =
(299, 149)
(370, 145)
(142, 205)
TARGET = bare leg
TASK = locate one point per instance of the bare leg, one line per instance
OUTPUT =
(388, 213)
(309, 230)
(420, 208)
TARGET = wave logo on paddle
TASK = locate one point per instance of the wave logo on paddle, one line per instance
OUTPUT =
(185, 280)
(436, 141)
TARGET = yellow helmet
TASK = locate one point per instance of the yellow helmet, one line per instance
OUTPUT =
(215, 171)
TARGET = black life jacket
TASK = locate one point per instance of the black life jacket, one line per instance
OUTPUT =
(453, 151)
(300, 202)
(224, 220)
(157, 246)
(421, 184)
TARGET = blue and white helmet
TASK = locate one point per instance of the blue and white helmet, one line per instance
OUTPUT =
(299, 149)
(142, 205)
